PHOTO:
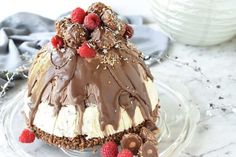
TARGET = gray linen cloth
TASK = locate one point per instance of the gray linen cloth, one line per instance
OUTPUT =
(23, 34)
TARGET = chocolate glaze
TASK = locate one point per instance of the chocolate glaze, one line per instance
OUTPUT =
(63, 78)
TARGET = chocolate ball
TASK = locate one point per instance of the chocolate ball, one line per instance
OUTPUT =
(131, 142)
(148, 149)
(75, 35)
(62, 25)
(103, 37)
(111, 20)
(97, 8)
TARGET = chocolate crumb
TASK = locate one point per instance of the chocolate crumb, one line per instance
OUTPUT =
(176, 57)
(218, 86)
(223, 109)
(212, 105)
(220, 98)
(197, 69)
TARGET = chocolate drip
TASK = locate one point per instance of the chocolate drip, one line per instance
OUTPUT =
(64, 78)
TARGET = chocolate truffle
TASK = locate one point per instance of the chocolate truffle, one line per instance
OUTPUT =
(97, 8)
(148, 149)
(131, 142)
(103, 37)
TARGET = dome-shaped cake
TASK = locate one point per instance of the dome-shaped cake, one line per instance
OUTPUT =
(90, 85)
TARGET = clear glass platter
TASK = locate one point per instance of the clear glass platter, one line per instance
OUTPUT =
(177, 124)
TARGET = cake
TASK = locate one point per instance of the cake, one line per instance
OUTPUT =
(90, 85)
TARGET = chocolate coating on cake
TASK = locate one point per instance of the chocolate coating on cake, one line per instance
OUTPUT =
(148, 149)
(131, 142)
(73, 34)
(64, 77)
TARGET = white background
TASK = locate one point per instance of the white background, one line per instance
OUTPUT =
(53, 8)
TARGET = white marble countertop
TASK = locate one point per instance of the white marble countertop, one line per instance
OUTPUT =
(210, 75)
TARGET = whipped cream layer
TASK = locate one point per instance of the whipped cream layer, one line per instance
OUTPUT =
(66, 122)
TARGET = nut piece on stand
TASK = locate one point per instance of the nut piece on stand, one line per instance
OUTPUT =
(103, 37)
(131, 142)
(148, 149)
(75, 35)
(97, 8)
(148, 135)
(111, 20)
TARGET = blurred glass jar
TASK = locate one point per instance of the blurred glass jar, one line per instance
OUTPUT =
(196, 22)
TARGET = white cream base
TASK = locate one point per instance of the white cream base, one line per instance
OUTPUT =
(66, 122)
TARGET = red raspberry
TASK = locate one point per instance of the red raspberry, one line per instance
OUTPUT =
(91, 21)
(77, 15)
(57, 42)
(109, 149)
(27, 136)
(86, 51)
(125, 153)
(129, 31)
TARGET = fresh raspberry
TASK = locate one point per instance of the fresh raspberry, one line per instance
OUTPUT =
(86, 51)
(91, 21)
(129, 31)
(27, 136)
(77, 15)
(125, 153)
(57, 42)
(109, 149)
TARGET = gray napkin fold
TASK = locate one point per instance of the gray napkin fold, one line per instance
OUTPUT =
(23, 34)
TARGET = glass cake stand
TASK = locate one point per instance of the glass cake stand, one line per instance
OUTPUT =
(177, 124)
